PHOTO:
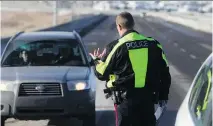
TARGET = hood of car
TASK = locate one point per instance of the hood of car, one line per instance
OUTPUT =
(44, 74)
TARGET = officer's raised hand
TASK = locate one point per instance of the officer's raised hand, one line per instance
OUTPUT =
(96, 54)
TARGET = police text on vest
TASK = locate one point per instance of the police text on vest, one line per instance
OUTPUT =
(137, 44)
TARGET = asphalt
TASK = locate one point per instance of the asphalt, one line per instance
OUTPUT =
(185, 49)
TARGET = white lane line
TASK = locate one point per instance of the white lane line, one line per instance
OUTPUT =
(155, 30)
(91, 43)
(182, 50)
(99, 108)
(98, 33)
(206, 46)
(193, 56)
(149, 25)
(170, 31)
(175, 44)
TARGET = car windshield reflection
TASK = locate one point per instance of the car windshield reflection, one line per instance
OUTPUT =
(46, 53)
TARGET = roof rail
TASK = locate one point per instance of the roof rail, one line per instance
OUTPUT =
(10, 40)
(77, 35)
(16, 35)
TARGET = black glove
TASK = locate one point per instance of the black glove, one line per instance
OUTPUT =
(163, 96)
(155, 98)
(162, 102)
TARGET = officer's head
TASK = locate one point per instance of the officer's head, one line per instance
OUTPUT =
(124, 22)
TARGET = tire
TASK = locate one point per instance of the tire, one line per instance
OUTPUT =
(3, 121)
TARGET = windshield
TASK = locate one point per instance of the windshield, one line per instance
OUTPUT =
(45, 53)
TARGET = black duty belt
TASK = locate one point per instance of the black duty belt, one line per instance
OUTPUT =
(117, 94)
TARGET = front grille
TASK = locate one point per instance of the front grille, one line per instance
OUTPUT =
(40, 89)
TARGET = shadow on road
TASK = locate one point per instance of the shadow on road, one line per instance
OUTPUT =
(64, 122)
(168, 119)
(105, 118)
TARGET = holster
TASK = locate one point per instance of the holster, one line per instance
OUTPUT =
(117, 95)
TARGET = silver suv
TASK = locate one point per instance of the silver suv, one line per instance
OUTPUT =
(46, 75)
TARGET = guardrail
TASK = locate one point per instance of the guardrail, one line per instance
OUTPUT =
(82, 26)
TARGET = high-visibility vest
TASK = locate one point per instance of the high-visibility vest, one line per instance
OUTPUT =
(139, 65)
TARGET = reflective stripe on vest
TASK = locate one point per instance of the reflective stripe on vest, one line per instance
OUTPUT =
(138, 57)
(112, 79)
(163, 55)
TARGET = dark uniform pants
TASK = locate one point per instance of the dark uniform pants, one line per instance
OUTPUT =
(136, 112)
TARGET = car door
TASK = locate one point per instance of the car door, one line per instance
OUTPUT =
(200, 101)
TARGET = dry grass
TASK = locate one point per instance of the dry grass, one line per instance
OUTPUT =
(13, 22)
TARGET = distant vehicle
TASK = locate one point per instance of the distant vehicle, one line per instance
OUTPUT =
(156, 7)
(196, 109)
(188, 8)
(118, 5)
(170, 7)
(133, 5)
(102, 5)
(141, 7)
(45, 75)
(206, 9)
(143, 14)
(144, 6)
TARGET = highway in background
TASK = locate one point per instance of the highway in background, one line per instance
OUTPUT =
(185, 49)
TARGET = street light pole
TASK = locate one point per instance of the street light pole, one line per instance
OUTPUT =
(55, 9)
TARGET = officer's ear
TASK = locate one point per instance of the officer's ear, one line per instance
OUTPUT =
(119, 26)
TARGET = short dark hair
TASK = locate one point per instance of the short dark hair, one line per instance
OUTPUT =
(125, 20)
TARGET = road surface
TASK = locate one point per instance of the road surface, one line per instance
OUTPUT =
(185, 49)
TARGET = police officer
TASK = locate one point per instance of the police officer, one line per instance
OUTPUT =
(141, 68)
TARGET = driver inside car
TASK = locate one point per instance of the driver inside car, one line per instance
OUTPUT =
(24, 56)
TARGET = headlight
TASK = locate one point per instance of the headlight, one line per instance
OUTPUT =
(77, 85)
(6, 85)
